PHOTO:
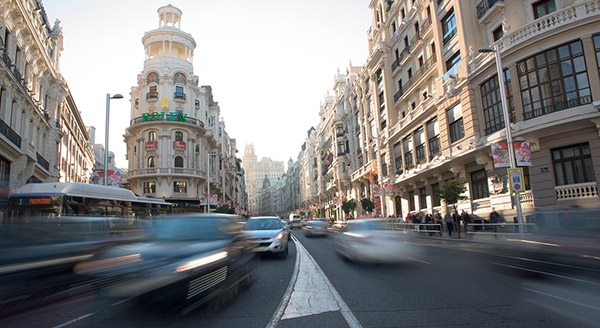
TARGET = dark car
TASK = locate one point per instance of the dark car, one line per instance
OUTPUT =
(315, 228)
(187, 261)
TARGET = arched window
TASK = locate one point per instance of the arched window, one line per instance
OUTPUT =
(152, 136)
(178, 136)
(151, 161)
(179, 78)
(178, 161)
(153, 77)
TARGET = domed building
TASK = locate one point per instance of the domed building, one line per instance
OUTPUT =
(176, 140)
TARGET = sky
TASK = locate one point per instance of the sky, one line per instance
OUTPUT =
(269, 62)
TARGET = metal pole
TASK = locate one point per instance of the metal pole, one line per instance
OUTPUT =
(380, 182)
(106, 140)
(509, 141)
(208, 182)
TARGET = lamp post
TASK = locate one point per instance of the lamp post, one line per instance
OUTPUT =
(509, 141)
(108, 98)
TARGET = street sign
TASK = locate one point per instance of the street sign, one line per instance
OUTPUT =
(515, 176)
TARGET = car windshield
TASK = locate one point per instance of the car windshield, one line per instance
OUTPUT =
(262, 224)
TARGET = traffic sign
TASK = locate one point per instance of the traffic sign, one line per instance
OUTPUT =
(515, 176)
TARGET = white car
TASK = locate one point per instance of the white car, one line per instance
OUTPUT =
(368, 241)
(267, 234)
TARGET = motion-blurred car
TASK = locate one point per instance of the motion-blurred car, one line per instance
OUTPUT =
(186, 261)
(267, 235)
(315, 228)
(287, 229)
(295, 221)
(369, 241)
(38, 254)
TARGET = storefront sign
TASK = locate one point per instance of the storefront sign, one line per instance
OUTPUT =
(172, 116)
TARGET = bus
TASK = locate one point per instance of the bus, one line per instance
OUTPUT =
(81, 199)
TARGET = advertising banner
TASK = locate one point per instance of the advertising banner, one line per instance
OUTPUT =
(376, 190)
(389, 189)
(523, 153)
(203, 199)
(500, 155)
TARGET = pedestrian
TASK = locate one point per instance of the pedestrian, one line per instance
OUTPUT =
(495, 217)
(449, 223)
(465, 217)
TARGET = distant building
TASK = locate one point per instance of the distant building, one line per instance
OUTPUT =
(255, 173)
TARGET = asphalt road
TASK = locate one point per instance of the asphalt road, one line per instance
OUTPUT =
(449, 284)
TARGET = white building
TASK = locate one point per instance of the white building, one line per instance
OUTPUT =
(175, 125)
(255, 172)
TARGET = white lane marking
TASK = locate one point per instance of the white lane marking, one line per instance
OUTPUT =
(562, 299)
(546, 262)
(546, 273)
(295, 302)
(420, 261)
(288, 292)
(122, 301)
(38, 264)
(74, 320)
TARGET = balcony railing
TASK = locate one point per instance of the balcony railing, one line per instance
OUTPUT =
(395, 64)
(398, 95)
(403, 54)
(179, 95)
(188, 120)
(577, 191)
(151, 145)
(557, 106)
(484, 6)
(426, 25)
(179, 145)
(420, 72)
(9, 133)
(42, 161)
(152, 95)
(167, 170)
(6, 59)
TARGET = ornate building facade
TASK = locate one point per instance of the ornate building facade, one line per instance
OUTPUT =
(177, 146)
(255, 173)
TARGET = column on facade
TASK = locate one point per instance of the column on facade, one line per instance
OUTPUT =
(515, 91)
(592, 66)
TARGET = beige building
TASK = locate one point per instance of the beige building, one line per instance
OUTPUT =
(42, 136)
(255, 173)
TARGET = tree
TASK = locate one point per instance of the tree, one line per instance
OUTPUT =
(367, 205)
(348, 206)
(451, 192)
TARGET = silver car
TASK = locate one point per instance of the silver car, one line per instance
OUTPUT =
(268, 235)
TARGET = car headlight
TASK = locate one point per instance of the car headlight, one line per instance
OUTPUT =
(201, 261)
(279, 236)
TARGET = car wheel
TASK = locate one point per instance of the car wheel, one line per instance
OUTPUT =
(284, 254)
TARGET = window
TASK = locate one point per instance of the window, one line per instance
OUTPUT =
(4, 173)
(373, 131)
(384, 170)
(178, 90)
(379, 75)
(381, 101)
(479, 184)
(419, 137)
(180, 186)
(554, 80)
(455, 123)
(435, 193)
(573, 164)
(178, 161)
(422, 198)
(370, 106)
(409, 72)
(408, 158)
(394, 27)
(149, 187)
(398, 157)
(152, 136)
(449, 26)
(433, 133)
(492, 106)
(341, 148)
(498, 33)
(543, 8)
(411, 201)
(452, 66)
(178, 136)
(151, 161)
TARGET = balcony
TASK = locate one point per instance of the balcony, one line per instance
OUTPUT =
(149, 145)
(168, 171)
(158, 118)
(556, 106)
(9, 133)
(42, 161)
(403, 55)
(586, 190)
(398, 95)
(426, 26)
(152, 95)
(488, 8)
(451, 72)
(179, 95)
(420, 73)
(395, 64)
(179, 145)
(6, 59)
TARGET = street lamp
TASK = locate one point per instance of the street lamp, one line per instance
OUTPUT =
(108, 98)
(511, 152)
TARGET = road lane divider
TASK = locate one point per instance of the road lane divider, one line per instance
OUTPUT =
(74, 320)
(310, 292)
